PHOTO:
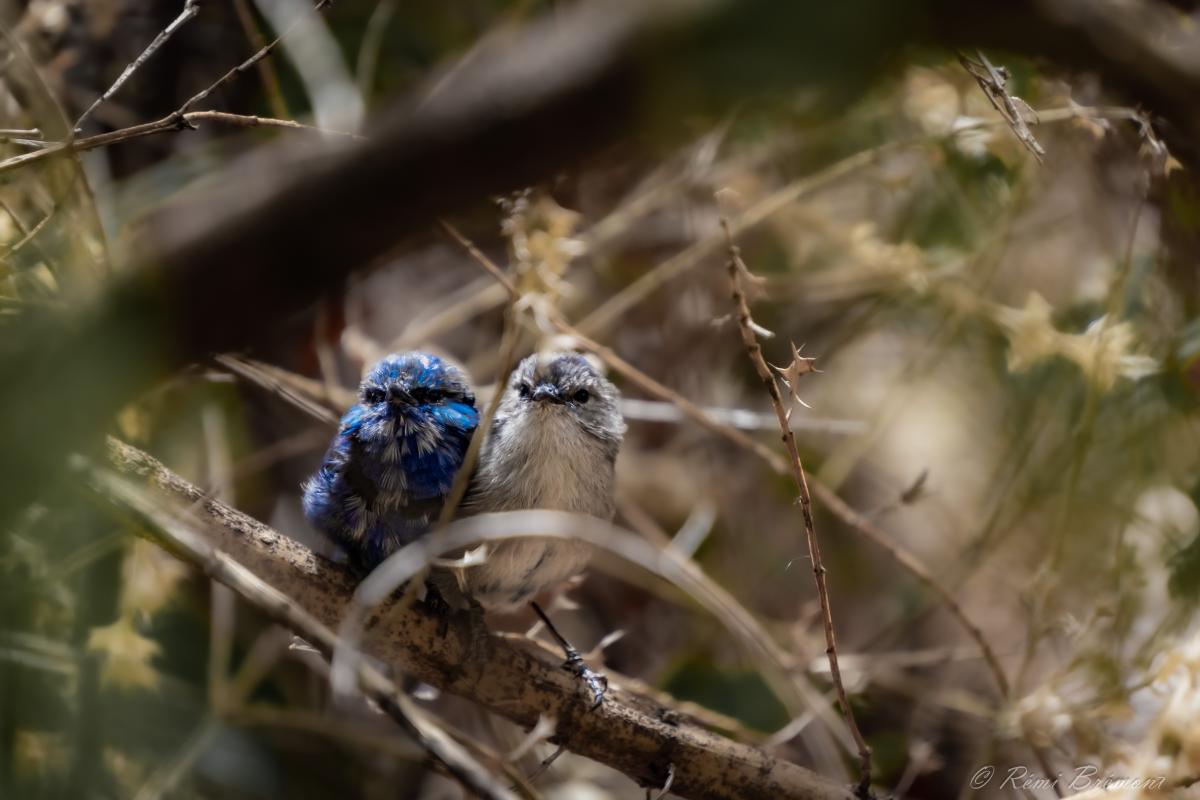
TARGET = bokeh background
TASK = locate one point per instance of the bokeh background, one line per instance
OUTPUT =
(1008, 392)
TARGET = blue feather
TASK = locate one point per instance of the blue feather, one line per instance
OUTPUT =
(388, 470)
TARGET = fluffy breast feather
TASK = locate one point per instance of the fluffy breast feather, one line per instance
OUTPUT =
(537, 462)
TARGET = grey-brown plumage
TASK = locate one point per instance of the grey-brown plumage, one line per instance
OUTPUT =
(553, 444)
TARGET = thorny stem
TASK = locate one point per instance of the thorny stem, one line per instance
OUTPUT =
(745, 322)
(836, 506)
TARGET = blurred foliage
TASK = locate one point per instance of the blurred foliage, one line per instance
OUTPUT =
(742, 694)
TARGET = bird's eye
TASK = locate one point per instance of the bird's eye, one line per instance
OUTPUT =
(582, 396)
(525, 390)
(373, 395)
(428, 394)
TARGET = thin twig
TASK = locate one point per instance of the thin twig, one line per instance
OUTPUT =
(179, 119)
(741, 418)
(546, 762)
(426, 328)
(22, 228)
(260, 374)
(511, 338)
(737, 269)
(168, 124)
(266, 68)
(462, 479)
(258, 56)
(34, 231)
(20, 133)
(250, 121)
(190, 9)
(171, 771)
(612, 308)
(994, 83)
(610, 357)
(858, 522)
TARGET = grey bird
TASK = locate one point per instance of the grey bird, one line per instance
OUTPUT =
(553, 445)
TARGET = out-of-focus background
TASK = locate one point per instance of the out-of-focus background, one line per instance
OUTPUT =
(1007, 332)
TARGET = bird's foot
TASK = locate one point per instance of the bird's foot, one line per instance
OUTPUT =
(439, 608)
(594, 682)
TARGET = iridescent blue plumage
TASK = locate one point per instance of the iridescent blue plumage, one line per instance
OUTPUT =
(388, 471)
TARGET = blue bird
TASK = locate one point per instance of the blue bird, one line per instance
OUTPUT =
(386, 475)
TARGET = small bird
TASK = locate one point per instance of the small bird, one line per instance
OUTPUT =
(553, 445)
(386, 475)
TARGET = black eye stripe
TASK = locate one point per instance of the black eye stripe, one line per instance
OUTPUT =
(433, 394)
(422, 394)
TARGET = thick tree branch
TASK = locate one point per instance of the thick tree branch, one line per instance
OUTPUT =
(175, 532)
(640, 737)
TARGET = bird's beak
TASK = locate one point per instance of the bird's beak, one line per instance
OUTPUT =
(397, 394)
(546, 392)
